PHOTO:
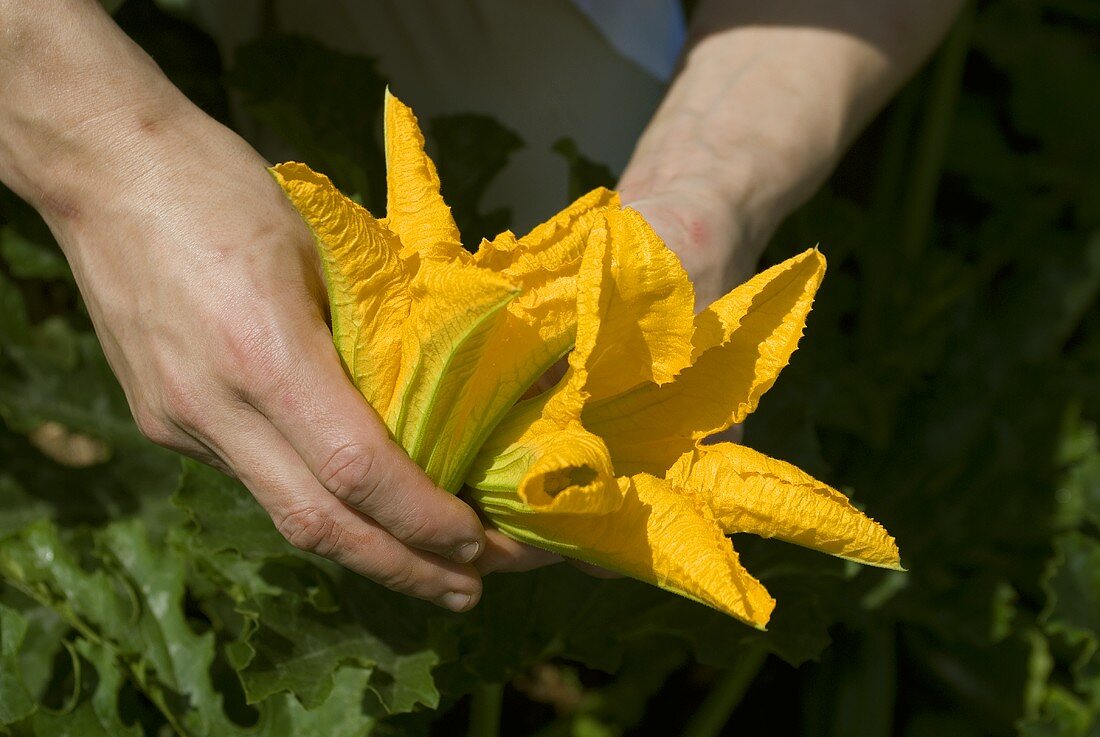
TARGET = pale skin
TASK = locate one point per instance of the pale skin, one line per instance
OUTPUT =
(203, 284)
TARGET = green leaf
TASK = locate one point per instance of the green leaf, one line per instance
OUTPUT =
(16, 702)
(307, 618)
(1063, 715)
(342, 714)
(300, 649)
(225, 515)
(1078, 498)
(28, 259)
(1072, 585)
(129, 609)
(95, 712)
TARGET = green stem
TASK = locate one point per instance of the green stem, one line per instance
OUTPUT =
(134, 672)
(943, 96)
(485, 704)
(889, 180)
(724, 697)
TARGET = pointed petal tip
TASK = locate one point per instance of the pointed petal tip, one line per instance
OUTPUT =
(393, 104)
(813, 254)
(885, 556)
(764, 616)
(887, 564)
(750, 492)
(691, 555)
(762, 619)
(819, 255)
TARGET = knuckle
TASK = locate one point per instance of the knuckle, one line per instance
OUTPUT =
(155, 428)
(418, 527)
(312, 531)
(258, 355)
(182, 402)
(352, 473)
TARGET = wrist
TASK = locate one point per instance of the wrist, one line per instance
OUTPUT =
(747, 186)
(715, 244)
(747, 125)
(81, 101)
(727, 210)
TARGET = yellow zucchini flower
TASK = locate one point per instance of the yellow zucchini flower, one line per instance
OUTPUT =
(610, 466)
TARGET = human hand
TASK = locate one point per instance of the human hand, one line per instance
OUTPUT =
(204, 287)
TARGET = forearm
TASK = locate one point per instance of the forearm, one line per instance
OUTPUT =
(769, 95)
(78, 100)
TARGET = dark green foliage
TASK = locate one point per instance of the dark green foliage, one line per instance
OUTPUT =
(470, 150)
(326, 105)
(947, 381)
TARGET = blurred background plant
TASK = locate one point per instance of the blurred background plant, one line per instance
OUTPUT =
(949, 382)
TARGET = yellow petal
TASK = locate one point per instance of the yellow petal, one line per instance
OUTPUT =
(553, 245)
(750, 492)
(411, 345)
(740, 344)
(768, 310)
(566, 470)
(692, 556)
(655, 535)
(415, 210)
(633, 313)
(455, 307)
(367, 282)
(534, 331)
(635, 308)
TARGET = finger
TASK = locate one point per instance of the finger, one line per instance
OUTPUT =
(505, 555)
(314, 520)
(348, 450)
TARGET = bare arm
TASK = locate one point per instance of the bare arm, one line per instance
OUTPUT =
(203, 286)
(767, 98)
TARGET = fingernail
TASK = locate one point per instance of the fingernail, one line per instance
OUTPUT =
(466, 552)
(457, 602)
